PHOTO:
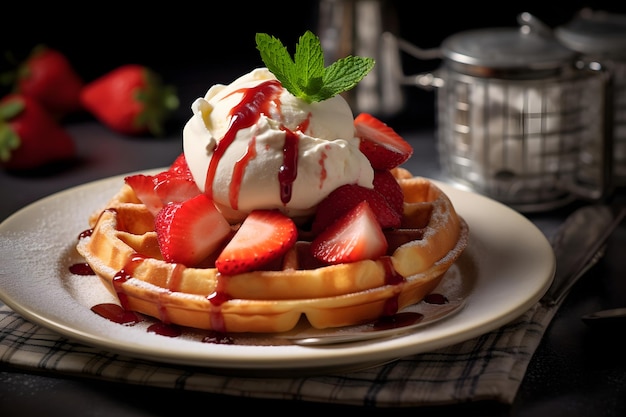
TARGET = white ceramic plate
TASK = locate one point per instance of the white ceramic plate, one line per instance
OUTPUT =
(506, 268)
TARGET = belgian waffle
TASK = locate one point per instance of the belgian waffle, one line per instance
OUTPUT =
(123, 251)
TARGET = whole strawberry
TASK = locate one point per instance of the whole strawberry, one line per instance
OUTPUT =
(29, 136)
(130, 99)
(48, 77)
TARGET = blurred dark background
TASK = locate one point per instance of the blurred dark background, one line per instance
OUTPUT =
(197, 45)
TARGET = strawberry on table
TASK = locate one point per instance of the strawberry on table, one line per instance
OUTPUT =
(48, 76)
(262, 237)
(131, 99)
(355, 236)
(384, 148)
(191, 230)
(29, 136)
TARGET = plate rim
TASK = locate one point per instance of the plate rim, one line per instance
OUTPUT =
(282, 357)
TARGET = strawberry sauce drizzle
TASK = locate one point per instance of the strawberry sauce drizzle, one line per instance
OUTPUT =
(116, 314)
(391, 278)
(238, 171)
(81, 268)
(217, 298)
(85, 233)
(289, 169)
(323, 172)
(124, 275)
(121, 315)
(254, 102)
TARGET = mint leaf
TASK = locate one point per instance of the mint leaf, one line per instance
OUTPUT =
(305, 76)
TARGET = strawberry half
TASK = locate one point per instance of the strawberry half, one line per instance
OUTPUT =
(382, 146)
(262, 237)
(344, 198)
(190, 231)
(354, 237)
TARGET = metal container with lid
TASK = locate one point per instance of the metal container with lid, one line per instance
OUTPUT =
(505, 53)
(514, 109)
(601, 36)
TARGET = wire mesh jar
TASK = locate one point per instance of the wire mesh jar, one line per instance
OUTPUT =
(601, 36)
(521, 118)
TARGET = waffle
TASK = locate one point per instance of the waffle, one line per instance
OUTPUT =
(122, 250)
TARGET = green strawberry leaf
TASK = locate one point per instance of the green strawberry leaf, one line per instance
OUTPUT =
(305, 76)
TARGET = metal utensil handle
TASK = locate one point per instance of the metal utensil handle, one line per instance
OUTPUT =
(577, 248)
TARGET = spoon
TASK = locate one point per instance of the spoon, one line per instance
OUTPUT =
(606, 317)
(399, 323)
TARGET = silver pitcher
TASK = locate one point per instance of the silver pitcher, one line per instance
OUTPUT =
(357, 27)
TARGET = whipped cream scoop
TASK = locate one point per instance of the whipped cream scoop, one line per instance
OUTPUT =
(253, 145)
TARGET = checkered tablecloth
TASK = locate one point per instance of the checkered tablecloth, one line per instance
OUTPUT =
(489, 367)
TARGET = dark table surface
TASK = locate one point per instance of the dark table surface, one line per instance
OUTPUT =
(576, 371)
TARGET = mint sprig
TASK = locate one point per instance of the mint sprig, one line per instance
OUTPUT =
(305, 76)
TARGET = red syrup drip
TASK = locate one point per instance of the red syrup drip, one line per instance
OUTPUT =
(85, 233)
(435, 298)
(392, 277)
(394, 320)
(398, 320)
(81, 269)
(288, 171)
(238, 172)
(323, 172)
(255, 101)
(124, 275)
(163, 329)
(391, 306)
(218, 298)
(116, 314)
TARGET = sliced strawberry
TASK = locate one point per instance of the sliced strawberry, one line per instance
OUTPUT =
(165, 187)
(346, 197)
(384, 148)
(263, 236)
(387, 185)
(143, 186)
(174, 188)
(353, 237)
(179, 167)
(191, 230)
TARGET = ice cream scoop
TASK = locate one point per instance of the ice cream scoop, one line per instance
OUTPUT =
(253, 145)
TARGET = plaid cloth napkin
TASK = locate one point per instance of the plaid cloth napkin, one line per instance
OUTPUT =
(489, 367)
